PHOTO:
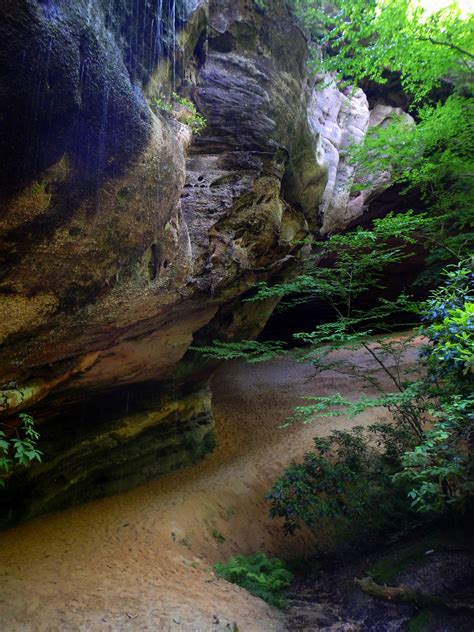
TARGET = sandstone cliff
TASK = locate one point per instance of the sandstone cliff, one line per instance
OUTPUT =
(124, 238)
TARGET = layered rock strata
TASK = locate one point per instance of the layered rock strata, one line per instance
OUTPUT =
(122, 240)
(125, 239)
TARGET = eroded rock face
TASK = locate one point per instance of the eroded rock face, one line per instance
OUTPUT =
(122, 240)
(343, 119)
(253, 178)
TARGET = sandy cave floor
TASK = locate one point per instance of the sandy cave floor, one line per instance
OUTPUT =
(142, 560)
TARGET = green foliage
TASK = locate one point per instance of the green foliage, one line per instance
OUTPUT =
(450, 317)
(354, 263)
(249, 350)
(440, 469)
(362, 39)
(191, 117)
(218, 536)
(435, 158)
(424, 456)
(407, 404)
(346, 482)
(359, 40)
(162, 105)
(262, 576)
(455, 338)
(20, 448)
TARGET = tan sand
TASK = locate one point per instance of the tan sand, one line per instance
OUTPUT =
(142, 560)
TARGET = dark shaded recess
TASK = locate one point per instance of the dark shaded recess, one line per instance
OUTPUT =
(392, 92)
(398, 277)
(109, 465)
(305, 316)
(394, 199)
(154, 262)
(200, 50)
(222, 43)
(389, 93)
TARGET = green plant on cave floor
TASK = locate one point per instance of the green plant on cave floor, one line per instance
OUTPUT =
(262, 576)
(190, 116)
(218, 536)
(19, 447)
(344, 485)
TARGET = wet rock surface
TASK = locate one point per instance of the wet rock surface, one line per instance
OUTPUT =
(122, 240)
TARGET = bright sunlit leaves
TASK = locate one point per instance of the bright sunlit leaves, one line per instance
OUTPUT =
(424, 41)
(466, 7)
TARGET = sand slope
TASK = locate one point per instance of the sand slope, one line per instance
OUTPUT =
(142, 560)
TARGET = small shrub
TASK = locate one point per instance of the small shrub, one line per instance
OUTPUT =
(162, 105)
(191, 116)
(20, 448)
(345, 483)
(218, 536)
(262, 576)
(366, 481)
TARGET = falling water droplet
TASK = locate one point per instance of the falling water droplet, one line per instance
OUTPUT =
(173, 41)
(103, 131)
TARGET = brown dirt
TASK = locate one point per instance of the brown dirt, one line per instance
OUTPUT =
(142, 560)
